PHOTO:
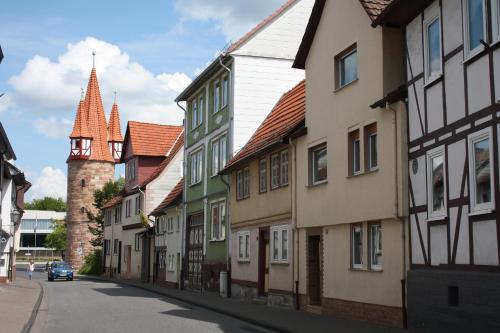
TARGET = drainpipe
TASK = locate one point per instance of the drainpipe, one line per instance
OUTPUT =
(228, 224)
(184, 213)
(293, 201)
(396, 210)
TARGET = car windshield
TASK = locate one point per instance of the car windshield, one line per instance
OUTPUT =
(63, 266)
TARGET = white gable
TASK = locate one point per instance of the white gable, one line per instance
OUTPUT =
(282, 36)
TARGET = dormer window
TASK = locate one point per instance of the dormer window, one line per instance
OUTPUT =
(81, 147)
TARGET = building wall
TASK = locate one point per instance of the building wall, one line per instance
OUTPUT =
(95, 174)
(6, 225)
(173, 242)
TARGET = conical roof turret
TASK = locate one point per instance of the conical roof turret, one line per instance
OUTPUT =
(114, 131)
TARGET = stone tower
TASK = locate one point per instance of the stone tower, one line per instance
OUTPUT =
(95, 148)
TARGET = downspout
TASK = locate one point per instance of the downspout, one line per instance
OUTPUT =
(396, 210)
(228, 224)
(293, 201)
(184, 213)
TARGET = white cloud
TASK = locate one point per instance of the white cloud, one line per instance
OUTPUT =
(54, 86)
(51, 182)
(235, 17)
(5, 102)
(54, 128)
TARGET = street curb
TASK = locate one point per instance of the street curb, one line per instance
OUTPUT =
(236, 315)
(34, 312)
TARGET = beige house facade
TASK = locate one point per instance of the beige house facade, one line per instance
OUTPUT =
(351, 243)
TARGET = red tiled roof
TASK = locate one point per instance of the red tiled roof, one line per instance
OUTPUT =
(113, 201)
(80, 128)
(259, 26)
(374, 7)
(170, 155)
(151, 139)
(114, 131)
(170, 198)
(286, 115)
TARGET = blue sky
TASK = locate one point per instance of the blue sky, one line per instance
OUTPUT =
(147, 51)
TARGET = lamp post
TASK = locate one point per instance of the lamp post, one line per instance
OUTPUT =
(15, 217)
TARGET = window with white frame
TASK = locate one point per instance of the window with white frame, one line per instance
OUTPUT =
(318, 164)
(216, 96)
(481, 171)
(284, 168)
(178, 223)
(115, 246)
(354, 153)
(162, 259)
(275, 171)
(244, 246)
(243, 183)
(432, 43)
(371, 149)
(262, 175)
(346, 64)
(118, 214)
(128, 204)
(495, 19)
(201, 109)
(138, 203)
(475, 26)
(130, 170)
(357, 246)
(170, 224)
(137, 242)
(436, 169)
(219, 154)
(375, 238)
(171, 263)
(218, 210)
(279, 244)
(196, 167)
(194, 114)
(107, 249)
(225, 91)
(107, 217)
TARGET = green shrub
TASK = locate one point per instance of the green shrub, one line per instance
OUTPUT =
(93, 263)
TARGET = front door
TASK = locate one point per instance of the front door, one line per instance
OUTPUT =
(145, 262)
(128, 253)
(119, 257)
(314, 270)
(263, 283)
(194, 251)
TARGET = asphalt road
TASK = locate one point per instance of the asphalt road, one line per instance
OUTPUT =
(87, 306)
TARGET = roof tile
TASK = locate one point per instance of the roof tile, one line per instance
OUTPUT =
(114, 131)
(152, 139)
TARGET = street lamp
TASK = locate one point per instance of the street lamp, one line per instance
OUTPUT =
(15, 216)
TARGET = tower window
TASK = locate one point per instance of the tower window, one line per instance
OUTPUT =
(82, 210)
(82, 182)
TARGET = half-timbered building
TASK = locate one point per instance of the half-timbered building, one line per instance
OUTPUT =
(453, 80)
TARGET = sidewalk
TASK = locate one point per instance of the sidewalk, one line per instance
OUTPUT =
(273, 318)
(17, 302)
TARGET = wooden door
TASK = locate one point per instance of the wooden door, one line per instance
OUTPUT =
(195, 251)
(263, 281)
(314, 270)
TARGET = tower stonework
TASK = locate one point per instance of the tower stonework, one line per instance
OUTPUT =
(91, 164)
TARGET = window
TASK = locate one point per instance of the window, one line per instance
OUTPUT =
(279, 244)
(201, 109)
(432, 42)
(375, 234)
(82, 182)
(171, 263)
(218, 220)
(130, 170)
(371, 158)
(137, 242)
(243, 184)
(346, 64)
(225, 91)
(318, 163)
(128, 203)
(107, 217)
(475, 26)
(263, 175)
(196, 167)
(354, 153)
(107, 249)
(275, 171)
(170, 224)
(194, 114)
(118, 214)
(178, 223)
(219, 155)
(357, 246)
(115, 246)
(216, 96)
(244, 246)
(138, 205)
(284, 168)
(481, 171)
(436, 183)
(495, 19)
(162, 259)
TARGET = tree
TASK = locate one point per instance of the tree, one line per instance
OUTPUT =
(47, 203)
(57, 238)
(101, 197)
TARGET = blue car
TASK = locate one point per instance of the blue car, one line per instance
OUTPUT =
(60, 270)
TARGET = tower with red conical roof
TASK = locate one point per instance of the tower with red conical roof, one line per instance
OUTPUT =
(95, 146)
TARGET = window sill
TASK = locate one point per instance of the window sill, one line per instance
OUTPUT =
(363, 173)
(194, 184)
(433, 79)
(352, 269)
(217, 240)
(197, 127)
(345, 85)
(481, 212)
(243, 261)
(323, 182)
(280, 263)
(473, 55)
(436, 218)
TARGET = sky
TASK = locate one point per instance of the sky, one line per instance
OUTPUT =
(147, 51)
